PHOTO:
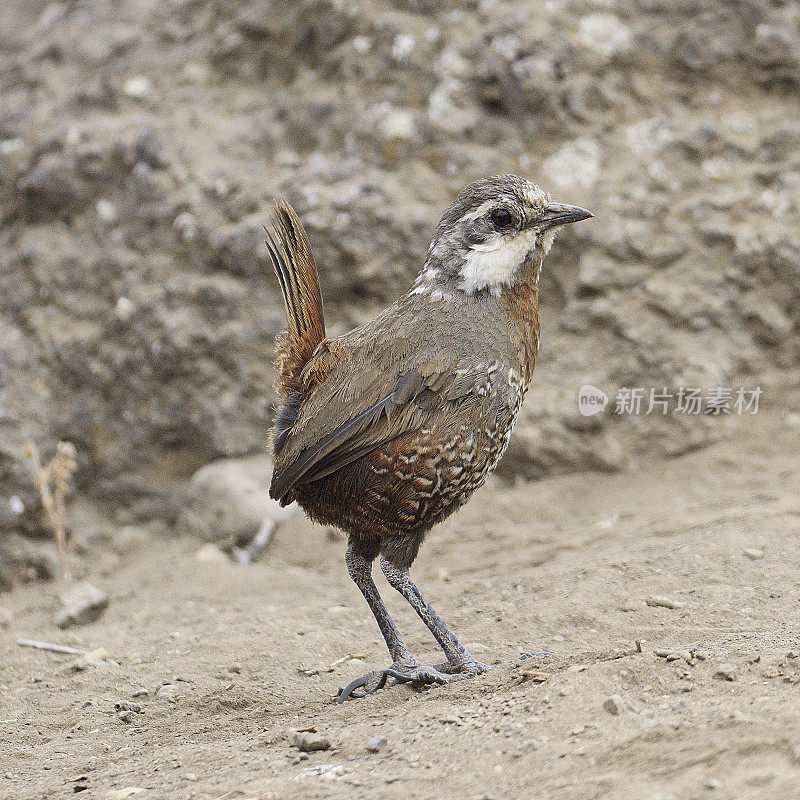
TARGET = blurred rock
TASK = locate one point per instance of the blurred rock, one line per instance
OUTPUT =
(614, 704)
(211, 554)
(309, 741)
(139, 87)
(240, 247)
(82, 604)
(605, 34)
(50, 189)
(228, 501)
(23, 560)
(576, 164)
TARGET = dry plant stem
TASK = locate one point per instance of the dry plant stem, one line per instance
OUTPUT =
(51, 648)
(52, 482)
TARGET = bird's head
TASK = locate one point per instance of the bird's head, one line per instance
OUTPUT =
(491, 230)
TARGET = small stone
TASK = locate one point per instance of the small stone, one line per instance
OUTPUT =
(169, 692)
(82, 604)
(614, 704)
(376, 743)
(186, 225)
(138, 88)
(575, 164)
(605, 34)
(127, 711)
(106, 212)
(726, 672)
(125, 705)
(753, 553)
(660, 601)
(10, 147)
(6, 617)
(211, 554)
(451, 719)
(226, 503)
(50, 188)
(309, 741)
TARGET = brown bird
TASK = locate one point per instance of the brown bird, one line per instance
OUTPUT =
(387, 430)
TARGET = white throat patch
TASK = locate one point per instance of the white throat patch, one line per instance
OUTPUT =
(492, 265)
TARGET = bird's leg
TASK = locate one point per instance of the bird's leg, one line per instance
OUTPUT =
(360, 569)
(405, 668)
(460, 660)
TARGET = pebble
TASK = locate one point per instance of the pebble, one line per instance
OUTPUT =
(50, 187)
(309, 741)
(6, 617)
(169, 692)
(127, 711)
(753, 553)
(726, 672)
(324, 771)
(614, 704)
(605, 34)
(575, 164)
(106, 211)
(660, 601)
(227, 505)
(211, 554)
(10, 147)
(82, 604)
(138, 88)
(395, 123)
(376, 743)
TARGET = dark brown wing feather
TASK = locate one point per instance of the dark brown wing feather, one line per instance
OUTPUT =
(402, 410)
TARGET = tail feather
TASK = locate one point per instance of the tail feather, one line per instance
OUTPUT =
(297, 275)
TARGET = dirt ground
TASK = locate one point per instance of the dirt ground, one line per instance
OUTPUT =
(566, 568)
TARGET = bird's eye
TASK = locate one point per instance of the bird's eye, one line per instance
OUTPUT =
(502, 218)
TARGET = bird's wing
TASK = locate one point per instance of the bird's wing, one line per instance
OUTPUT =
(361, 406)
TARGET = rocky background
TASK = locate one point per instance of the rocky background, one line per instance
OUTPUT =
(142, 141)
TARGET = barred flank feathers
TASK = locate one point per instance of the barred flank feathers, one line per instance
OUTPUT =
(297, 274)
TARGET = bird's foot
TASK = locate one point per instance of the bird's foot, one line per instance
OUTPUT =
(404, 671)
(467, 667)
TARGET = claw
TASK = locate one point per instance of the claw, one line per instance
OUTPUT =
(401, 673)
(378, 680)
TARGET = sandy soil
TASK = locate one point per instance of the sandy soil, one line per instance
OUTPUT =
(565, 565)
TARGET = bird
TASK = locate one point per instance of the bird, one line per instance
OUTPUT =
(388, 429)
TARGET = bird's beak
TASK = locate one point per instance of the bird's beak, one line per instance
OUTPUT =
(560, 214)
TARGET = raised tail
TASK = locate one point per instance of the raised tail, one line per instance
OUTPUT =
(297, 274)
